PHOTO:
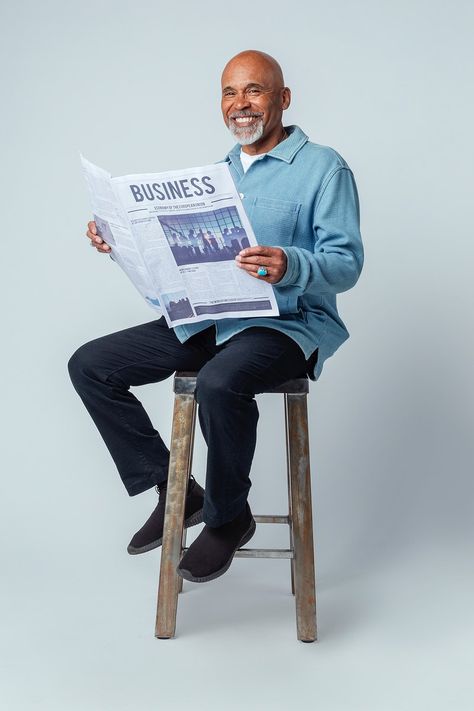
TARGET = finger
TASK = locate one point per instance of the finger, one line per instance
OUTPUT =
(92, 227)
(263, 261)
(94, 238)
(252, 269)
(247, 267)
(259, 250)
(104, 247)
(256, 276)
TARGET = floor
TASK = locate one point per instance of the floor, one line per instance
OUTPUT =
(393, 637)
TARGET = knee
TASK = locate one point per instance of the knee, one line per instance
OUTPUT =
(82, 363)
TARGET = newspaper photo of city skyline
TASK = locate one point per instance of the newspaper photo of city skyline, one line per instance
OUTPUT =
(177, 305)
(200, 237)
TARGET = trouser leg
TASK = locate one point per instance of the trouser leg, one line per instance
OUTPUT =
(103, 370)
(249, 363)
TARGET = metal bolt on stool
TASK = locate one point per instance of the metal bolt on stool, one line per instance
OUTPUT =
(299, 518)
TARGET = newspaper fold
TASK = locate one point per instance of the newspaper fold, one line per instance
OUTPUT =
(176, 235)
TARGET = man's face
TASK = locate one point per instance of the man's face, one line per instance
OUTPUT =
(253, 100)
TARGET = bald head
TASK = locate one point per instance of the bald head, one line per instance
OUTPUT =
(254, 97)
(253, 58)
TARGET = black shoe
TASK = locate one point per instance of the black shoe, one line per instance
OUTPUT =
(150, 535)
(211, 554)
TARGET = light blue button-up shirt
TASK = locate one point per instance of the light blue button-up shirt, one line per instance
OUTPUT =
(302, 197)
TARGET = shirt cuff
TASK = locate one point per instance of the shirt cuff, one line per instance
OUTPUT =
(292, 268)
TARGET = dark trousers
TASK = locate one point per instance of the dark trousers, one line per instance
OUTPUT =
(103, 370)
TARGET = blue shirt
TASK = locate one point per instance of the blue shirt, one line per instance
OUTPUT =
(302, 197)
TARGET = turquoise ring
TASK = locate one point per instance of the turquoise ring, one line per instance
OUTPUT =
(261, 271)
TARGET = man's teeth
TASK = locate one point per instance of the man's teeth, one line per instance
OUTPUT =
(244, 119)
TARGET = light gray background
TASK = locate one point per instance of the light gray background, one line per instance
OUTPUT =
(135, 87)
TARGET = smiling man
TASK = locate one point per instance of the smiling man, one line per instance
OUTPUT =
(302, 201)
(253, 109)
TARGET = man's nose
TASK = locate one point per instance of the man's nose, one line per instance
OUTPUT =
(241, 101)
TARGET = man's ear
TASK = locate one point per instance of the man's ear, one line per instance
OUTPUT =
(286, 98)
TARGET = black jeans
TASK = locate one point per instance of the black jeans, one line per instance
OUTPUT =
(103, 370)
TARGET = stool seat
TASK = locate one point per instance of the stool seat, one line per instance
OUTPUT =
(185, 383)
(299, 518)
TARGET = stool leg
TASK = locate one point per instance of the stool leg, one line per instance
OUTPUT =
(183, 545)
(290, 517)
(182, 438)
(302, 517)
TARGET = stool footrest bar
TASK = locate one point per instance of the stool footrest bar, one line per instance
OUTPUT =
(264, 553)
(261, 553)
(268, 518)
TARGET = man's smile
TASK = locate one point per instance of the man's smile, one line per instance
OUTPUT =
(245, 119)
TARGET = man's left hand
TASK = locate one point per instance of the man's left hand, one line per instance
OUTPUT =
(272, 258)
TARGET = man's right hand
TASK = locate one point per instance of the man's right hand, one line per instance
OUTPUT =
(96, 241)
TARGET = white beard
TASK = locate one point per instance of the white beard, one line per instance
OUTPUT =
(246, 135)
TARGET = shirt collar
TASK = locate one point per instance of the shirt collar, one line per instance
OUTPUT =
(286, 150)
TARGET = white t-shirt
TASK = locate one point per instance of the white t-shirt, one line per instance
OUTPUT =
(247, 159)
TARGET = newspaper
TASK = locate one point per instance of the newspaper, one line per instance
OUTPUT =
(176, 235)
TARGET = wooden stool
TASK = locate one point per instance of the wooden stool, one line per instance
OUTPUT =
(299, 517)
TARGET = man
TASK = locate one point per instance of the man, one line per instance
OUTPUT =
(302, 202)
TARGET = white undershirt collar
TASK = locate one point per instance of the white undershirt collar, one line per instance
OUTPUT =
(246, 159)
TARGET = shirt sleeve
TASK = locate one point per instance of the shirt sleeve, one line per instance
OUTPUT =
(336, 262)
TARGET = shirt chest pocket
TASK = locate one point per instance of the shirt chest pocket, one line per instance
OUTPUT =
(274, 221)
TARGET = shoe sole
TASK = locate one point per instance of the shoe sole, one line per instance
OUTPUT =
(187, 575)
(190, 521)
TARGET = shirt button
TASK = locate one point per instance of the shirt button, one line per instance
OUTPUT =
(241, 196)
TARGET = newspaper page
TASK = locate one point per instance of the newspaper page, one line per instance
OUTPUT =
(176, 234)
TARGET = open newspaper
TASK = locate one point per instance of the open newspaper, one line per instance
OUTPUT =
(176, 235)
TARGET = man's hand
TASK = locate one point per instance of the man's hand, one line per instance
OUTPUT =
(272, 258)
(96, 241)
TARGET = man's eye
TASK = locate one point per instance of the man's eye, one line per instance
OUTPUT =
(254, 91)
(228, 94)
